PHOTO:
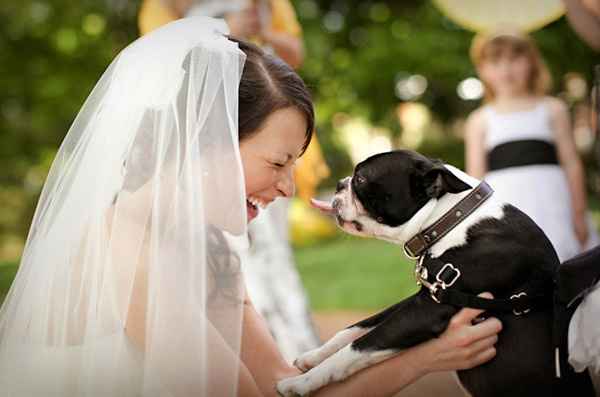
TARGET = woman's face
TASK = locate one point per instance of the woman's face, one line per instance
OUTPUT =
(268, 158)
(507, 74)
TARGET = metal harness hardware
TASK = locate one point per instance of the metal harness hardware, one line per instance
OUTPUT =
(422, 275)
(517, 296)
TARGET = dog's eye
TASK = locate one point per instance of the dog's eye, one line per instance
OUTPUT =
(360, 179)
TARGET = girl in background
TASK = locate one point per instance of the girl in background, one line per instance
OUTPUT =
(520, 141)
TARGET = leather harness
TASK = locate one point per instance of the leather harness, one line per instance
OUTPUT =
(439, 277)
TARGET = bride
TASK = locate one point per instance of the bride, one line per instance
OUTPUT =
(127, 285)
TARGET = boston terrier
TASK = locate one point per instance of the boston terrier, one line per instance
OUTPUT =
(394, 196)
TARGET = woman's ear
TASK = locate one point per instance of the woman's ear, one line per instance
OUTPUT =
(439, 181)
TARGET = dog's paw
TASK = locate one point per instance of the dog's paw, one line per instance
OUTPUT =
(297, 386)
(309, 360)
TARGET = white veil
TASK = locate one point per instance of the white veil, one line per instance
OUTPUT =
(127, 286)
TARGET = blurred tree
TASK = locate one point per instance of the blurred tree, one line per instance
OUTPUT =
(358, 50)
(52, 53)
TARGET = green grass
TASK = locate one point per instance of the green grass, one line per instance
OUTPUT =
(355, 274)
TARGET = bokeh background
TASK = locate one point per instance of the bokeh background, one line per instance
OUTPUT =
(384, 74)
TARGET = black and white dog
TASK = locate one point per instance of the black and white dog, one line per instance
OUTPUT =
(393, 196)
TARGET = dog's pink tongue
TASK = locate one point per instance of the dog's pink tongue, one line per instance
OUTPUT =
(323, 206)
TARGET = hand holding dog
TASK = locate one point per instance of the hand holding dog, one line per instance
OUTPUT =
(463, 345)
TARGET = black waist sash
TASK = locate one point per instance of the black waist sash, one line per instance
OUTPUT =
(521, 153)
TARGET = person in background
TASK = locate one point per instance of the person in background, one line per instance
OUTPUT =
(521, 141)
(584, 17)
(271, 276)
(270, 23)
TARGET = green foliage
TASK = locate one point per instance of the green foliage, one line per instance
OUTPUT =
(8, 270)
(53, 53)
(353, 66)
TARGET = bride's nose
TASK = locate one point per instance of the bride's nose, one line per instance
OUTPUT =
(285, 184)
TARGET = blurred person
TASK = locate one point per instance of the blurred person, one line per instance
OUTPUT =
(271, 23)
(584, 17)
(128, 285)
(273, 281)
(521, 141)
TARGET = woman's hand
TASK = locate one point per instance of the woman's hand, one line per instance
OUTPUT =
(463, 345)
(581, 230)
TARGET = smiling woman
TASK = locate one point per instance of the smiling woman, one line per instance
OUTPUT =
(268, 157)
(128, 285)
(276, 123)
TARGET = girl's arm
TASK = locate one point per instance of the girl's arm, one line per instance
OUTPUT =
(584, 21)
(475, 155)
(570, 162)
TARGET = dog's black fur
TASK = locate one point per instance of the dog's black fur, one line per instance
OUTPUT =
(500, 256)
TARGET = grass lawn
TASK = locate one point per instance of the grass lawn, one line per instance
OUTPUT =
(355, 274)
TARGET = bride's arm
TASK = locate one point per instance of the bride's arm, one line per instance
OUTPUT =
(260, 353)
(220, 353)
(461, 346)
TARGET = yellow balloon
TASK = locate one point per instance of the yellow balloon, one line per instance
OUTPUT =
(488, 15)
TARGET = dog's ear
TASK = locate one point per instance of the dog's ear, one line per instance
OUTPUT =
(439, 181)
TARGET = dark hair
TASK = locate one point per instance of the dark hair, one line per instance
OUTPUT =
(269, 84)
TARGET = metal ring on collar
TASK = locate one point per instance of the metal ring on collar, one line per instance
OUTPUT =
(409, 253)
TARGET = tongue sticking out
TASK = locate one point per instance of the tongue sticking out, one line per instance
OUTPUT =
(323, 206)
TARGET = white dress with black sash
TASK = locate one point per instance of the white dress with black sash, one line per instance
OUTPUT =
(523, 169)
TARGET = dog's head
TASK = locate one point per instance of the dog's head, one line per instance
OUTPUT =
(387, 190)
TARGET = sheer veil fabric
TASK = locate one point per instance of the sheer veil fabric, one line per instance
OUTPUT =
(127, 285)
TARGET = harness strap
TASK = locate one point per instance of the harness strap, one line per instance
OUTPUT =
(438, 277)
(519, 304)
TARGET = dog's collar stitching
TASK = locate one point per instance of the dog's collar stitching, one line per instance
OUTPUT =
(422, 241)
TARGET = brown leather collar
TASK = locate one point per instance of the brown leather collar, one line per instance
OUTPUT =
(422, 241)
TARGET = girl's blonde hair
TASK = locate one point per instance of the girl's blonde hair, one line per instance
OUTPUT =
(491, 46)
